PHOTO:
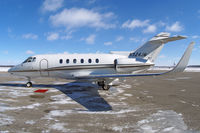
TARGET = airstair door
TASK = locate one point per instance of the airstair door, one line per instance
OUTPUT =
(43, 68)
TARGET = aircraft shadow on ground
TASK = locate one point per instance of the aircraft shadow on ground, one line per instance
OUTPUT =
(86, 95)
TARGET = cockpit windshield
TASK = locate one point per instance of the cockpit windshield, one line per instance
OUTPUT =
(30, 59)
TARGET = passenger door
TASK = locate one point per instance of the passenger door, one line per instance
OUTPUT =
(44, 67)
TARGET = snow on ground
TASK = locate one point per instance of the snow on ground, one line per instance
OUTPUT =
(60, 127)
(60, 113)
(15, 92)
(163, 122)
(4, 69)
(61, 99)
(7, 107)
(159, 122)
(6, 120)
(188, 69)
(30, 122)
(197, 69)
(178, 78)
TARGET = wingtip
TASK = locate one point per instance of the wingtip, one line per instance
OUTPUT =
(180, 67)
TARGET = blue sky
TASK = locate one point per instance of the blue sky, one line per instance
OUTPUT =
(30, 27)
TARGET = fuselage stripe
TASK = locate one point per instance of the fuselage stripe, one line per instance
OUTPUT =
(75, 67)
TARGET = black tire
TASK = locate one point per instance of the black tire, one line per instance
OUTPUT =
(106, 87)
(29, 84)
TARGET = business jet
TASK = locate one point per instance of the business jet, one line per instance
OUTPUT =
(103, 69)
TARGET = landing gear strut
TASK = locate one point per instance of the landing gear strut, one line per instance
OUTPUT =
(103, 85)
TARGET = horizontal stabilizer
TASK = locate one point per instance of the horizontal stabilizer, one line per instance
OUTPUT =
(165, 39)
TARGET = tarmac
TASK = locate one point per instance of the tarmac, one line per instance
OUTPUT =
(163, 104)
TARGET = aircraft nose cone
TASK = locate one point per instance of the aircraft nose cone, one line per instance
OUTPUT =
(11, 70)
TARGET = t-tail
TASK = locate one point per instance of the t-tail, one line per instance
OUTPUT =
(152, 48)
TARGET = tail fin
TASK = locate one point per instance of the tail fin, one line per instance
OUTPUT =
(152, 48)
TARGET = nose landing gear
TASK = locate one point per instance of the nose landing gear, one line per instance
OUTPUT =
(29, 83)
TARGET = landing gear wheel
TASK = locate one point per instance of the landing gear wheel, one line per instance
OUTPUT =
(103, 85)
(29, 84)
(106, 87)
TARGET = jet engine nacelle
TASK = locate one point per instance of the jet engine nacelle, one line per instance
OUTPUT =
(130, 64)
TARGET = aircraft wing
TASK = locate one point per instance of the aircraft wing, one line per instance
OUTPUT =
(180, 67)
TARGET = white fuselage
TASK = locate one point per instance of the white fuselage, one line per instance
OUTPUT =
(70, 66)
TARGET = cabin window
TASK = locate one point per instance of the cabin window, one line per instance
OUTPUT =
(61, 61)
(89, 60)
(97, 60)
(82, 60)
(67, 61)
(74, 60)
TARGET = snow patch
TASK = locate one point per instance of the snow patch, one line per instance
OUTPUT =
(117, 128)
(163, 121)
(126, 86)
(7, 107)
(183, 90)
(149, 96)
(116, 91)
(4, 131)
(59, 127)
(4, 69)
(192, 69)
(128, 95)
(62, 99)
(195, 105)
(182, 101)
(6, 120)
(15, 92)
(30, 122)
(61, 113)
(188, 69)
(178, 78)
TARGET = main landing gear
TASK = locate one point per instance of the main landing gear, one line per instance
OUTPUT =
(29, 83)
(103, 85)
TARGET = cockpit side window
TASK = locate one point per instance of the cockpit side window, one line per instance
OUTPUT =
(30, 59)
(34, 59)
